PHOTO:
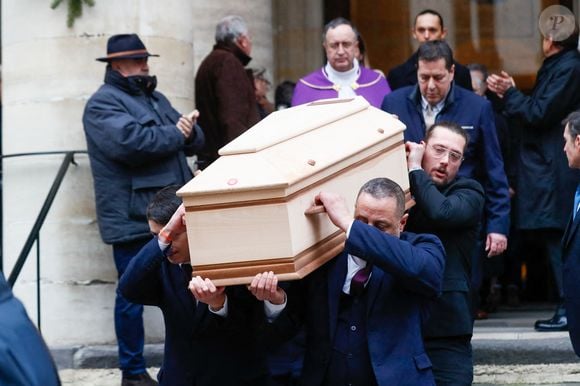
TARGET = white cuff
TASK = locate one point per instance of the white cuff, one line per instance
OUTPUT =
(348, 229)
(273, 310)
(223, 312)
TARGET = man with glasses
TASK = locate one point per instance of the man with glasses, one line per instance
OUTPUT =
(449, 207)
(342, 76)
(437, 98)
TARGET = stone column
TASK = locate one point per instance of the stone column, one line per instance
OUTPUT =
(49, 72)
(298, 35)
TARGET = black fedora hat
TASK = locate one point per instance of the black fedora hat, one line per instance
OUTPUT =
(125, 46)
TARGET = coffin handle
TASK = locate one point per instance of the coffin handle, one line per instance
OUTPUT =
(315, 209)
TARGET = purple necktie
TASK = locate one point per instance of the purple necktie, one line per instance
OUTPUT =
(357, 283)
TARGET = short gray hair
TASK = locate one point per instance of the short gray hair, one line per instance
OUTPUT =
(230, 28)
(573, 122)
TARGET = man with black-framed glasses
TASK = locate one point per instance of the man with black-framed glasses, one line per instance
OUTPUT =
(451, 208)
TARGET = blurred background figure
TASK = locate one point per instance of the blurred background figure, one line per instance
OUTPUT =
(545, 185)
(224, 93)
(362, 56)
(500, 274)
(262, 88)
(283, 95)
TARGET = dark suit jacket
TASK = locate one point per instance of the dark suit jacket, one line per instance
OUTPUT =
(201, 348)
(571, 258)
(483, 160)
(452, 213)
(545, 183)
(24, 357)
(407, 273)
(406, 74)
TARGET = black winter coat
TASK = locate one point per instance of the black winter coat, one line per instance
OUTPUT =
(545, 184)
(453, 213)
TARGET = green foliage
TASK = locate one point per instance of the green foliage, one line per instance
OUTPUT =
(75, 9)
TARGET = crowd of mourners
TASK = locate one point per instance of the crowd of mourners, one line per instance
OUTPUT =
(491, 169)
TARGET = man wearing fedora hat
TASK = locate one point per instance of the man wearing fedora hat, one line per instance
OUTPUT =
(137, 144)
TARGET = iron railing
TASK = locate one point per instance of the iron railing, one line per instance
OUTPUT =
(34, 235)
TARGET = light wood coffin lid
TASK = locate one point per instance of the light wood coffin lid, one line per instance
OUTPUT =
(286, 154)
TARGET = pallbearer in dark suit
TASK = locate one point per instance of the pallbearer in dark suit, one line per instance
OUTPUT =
(571, 239)
(449, 207)
(208, 339)
(363, 330)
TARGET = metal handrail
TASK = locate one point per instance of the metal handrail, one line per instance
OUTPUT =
(34, 235)
(34, 232)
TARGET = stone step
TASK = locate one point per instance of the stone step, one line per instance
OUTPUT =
(506, 350)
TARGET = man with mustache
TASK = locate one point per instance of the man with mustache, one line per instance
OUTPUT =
(449, 207)
(137, 144)
(437, 98)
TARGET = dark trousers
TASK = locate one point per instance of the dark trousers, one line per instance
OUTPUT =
(128, 316)
(452, 360)
(548, 242)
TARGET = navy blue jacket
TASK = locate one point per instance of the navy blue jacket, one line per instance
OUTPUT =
(571, 259)
(135, 149)
(545, 183)
(407, 273)
(453, 213)
(201, 348)
(483, 160)
(24, 357)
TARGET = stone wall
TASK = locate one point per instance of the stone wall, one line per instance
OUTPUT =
(49, 72)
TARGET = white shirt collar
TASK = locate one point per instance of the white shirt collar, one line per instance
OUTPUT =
(354, 264)
(344, 80)
(436, 109)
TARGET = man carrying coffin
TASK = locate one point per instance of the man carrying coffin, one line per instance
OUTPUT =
(207, 338)
(451, 208)
(362, 311)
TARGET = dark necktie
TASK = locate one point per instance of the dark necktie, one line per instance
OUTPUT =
(357, 283)
(187, 270)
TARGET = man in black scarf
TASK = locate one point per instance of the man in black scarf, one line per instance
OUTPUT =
(137, 144)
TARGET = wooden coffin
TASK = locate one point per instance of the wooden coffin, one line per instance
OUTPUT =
(245, 212)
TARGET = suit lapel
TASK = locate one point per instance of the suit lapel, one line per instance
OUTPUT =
(180, 287)
(373, 287)
(336, 277)
(570, 231)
